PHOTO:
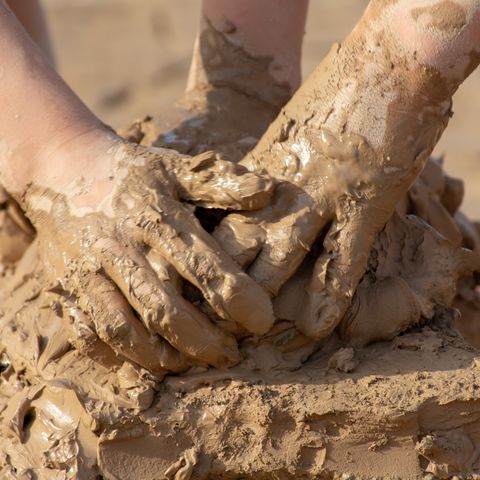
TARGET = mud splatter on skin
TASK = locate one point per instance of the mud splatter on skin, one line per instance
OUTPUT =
(397, 414)
(99, 257)
(338, 168)
(231, 99)
(219, 62)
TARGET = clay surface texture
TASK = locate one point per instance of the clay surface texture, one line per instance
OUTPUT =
(326, 329)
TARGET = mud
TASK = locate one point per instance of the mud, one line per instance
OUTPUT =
(221, 61)
(293, 408)
(75, 403)
(446, 16)
(394, 409)
(230, 100)
(16, 232)
(341, 175)
(97, 254)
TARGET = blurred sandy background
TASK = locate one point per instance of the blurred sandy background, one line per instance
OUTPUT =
(127, 58)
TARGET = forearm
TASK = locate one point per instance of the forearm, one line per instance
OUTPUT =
(390, 81)
(254, 47)
(39, 113)
(31, 16)
(270, 28)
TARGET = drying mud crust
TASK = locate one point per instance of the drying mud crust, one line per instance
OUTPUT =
(71, 408)
(370, 368)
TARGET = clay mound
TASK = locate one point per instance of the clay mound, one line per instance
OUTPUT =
(292, 409)
(395, 409)
(410, 407)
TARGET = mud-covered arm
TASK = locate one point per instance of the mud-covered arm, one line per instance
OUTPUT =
(250, 46)
(349, 144)
(101, 206)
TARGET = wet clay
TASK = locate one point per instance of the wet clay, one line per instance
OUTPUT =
(96, 254)
(343, 162)
(293, 407)
(392, 410)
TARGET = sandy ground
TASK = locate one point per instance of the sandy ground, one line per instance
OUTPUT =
(128, 58)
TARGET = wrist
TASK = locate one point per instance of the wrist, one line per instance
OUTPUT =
(80, 167)
(219, 61)
(84, 153)
(57, 161)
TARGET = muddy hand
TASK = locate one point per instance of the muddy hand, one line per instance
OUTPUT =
(334, 197)
(346, 148)
(99, 254)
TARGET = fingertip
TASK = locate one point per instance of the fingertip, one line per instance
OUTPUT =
(248, 191)
(214, 347)
(320, 322)
(216, 183)
(166, 358)
(191, 333)
(230, 354)
(241, 238)
(250, 306)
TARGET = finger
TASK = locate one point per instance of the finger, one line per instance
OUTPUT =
(337, 273)
(179, 237)
(290, 234)
(165, 311)
(241, 238)
(83, 336)
(166, 272)
(210, 181)
(163, 270)
(118, 327)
